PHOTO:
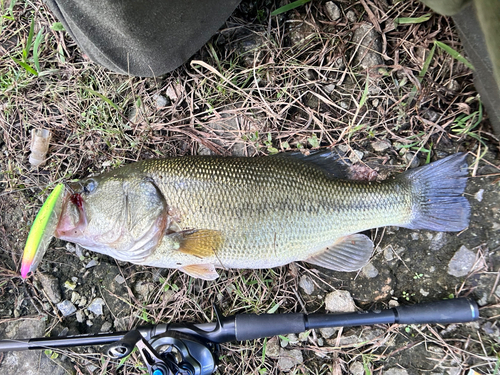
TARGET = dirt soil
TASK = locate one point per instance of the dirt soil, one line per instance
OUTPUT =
(263, 84)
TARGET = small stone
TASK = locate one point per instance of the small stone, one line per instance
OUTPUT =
(96, 306)
(375, 103)
(292, 339)
(388, 253)
(395, 371)
(288, 359)
(370, 46)
(306, 284)
(106, 326)
(321, 342)
(393, 303)
(339, 301)
(423, 292)
(343, 104)
(79, 252)
(283, 342)
(497, 291)
(329, 88)
(70, 247)
(160, 100)
(379, 146)
(332, 10)
(83, 302)
(80, 316)
(66, 308)
(453, 85)
(479, 195)
(370, 271)
(415, 236)
(356, 156)
(119, 279)
(328, 332)
(412, 160)
(438, 241)
(89, 323)
(357, 368)
(462, 262)
(50, 285)
(273, 348)
(143, 289)
(351, 16)
(92, 263)
(75, 297)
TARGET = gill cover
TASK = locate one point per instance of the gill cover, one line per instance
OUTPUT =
(120, 216)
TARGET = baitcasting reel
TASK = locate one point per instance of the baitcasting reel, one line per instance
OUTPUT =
(171, 353)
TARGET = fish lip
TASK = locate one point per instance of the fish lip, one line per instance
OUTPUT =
(66, 227)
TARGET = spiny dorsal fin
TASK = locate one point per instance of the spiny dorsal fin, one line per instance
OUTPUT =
(200, 243)
(201, 271)
(331, 162)
(349, 253)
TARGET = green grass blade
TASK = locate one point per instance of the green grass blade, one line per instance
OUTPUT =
(286, 8)
(427, 62)
(30, 39)
(412, 20)
(364, 97)
(28, 68)
(454, 54)
(38, 40)
(103, 98)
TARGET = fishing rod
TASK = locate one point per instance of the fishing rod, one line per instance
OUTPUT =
(192, 348)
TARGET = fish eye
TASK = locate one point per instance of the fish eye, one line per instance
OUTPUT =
(89, 186)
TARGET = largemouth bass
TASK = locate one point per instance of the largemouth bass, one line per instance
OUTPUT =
(201, 213)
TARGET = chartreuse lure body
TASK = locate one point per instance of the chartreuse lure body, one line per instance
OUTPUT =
(42, 231)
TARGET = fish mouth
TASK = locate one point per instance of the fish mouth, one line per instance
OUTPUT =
(73, 220)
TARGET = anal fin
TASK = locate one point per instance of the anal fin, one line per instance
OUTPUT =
(201, 271)
(349, 253)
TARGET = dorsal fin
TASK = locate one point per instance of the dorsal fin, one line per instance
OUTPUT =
(331, 162)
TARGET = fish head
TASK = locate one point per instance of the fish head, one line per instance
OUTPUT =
(121, 216)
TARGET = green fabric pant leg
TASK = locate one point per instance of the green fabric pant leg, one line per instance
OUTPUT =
(141, 37)
(478, 24)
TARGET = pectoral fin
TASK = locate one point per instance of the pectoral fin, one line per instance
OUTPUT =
(349, 253)
(201, 271)
(199, 243)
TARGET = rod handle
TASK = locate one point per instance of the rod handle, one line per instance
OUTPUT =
(457, 310)
(252, 326)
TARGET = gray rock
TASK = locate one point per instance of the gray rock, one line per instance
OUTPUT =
(299, 31)
(370, 271)
(356, 156)
(288, 359)
(66, 307)
(368, 52)
(306, 284)
(479, 195)
(92, 263)
(357, 368)
(412, 160)
(332, 10)
(33, 362)
(119, 279)
(160, 100)
(462, 262)
(395, 371)
(329, 88)
(380, 146)
(351, 16)
(143, 290)
(438, 241)
(106, 326)
(50, 285)
(96, 306)
(328, 332)
(80, 316)
(339, 301)
(497, 291)
(273, 348)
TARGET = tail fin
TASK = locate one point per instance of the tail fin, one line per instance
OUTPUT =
(438, 201)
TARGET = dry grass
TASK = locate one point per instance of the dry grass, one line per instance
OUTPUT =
(284, 93)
